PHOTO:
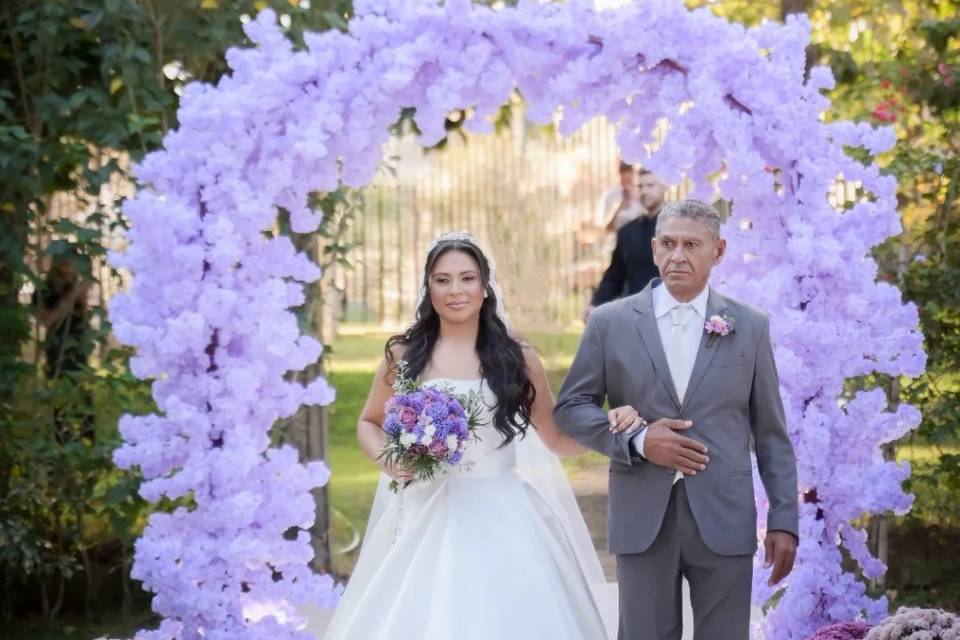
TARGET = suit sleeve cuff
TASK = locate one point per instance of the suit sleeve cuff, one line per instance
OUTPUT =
(637, 441)
(787, 523)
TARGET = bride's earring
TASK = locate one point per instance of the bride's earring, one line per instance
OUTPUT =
(486, 294)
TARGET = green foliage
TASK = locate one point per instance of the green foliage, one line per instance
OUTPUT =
(62, 502)
(933, 282)
(85, 85)
(86, 88)
(920, 95)
(897, 63)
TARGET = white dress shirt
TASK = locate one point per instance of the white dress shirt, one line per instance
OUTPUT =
(663, 304)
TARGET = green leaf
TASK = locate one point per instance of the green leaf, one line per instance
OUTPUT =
(335, 20)
(66, 225)
(116, 494)
(58, 247)
(92, 19)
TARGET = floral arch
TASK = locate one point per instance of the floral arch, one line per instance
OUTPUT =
(208, 307)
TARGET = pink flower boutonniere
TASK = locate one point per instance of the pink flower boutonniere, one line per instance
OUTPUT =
(718, 327)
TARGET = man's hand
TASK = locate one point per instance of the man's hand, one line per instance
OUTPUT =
(587, 311)
(663, 446)
(780, 550)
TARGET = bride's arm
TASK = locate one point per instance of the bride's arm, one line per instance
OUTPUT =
(370, 432)
(541, 414)
(622, 418)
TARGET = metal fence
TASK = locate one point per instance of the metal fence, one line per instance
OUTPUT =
(532, 197)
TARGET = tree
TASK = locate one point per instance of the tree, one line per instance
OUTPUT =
(86, 88)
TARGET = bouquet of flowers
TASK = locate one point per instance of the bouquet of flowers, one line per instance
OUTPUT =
(427, 427)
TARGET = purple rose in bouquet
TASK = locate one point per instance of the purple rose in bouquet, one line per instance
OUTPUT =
(427, 427)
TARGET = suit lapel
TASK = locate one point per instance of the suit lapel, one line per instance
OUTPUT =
(716, 305)
(652, 342)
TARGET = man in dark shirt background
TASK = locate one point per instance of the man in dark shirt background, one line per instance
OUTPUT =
(631, 265)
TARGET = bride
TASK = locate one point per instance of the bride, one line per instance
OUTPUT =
(495, 548)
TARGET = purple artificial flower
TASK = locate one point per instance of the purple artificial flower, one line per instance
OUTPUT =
(408, 416)
(437, 412)
(842, 631)
(418, 449)
(718, 327)
(209, 314)
(392, 424)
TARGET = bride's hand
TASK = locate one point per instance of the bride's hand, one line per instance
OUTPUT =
(625, 419)
(396, 472)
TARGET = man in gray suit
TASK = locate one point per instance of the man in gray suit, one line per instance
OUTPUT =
(683, 505)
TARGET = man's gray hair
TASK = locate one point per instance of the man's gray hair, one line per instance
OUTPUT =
(693, 209)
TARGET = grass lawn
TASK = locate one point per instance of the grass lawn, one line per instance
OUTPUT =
(105, 625)
(355, 356)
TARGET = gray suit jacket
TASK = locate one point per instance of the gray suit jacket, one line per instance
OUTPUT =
(733, 399)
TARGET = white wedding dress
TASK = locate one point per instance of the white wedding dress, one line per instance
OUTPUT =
(494, 549)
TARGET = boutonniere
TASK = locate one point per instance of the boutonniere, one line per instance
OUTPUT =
(718, 327)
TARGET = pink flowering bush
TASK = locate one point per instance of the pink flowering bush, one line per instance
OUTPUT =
(917, 624)
(208, 310)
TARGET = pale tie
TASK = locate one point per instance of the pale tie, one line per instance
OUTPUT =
(678, 356)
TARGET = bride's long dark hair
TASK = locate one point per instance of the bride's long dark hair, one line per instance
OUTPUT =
(502, 364)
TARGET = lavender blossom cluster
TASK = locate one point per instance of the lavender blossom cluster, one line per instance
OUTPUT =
(208, 309)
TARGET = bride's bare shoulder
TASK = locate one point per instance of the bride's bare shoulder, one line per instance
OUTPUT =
(393, 352)
(520, 339)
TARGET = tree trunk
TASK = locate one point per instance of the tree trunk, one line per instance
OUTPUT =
(308, 429)
(381, 255)
(126, 564)
(890, 449)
